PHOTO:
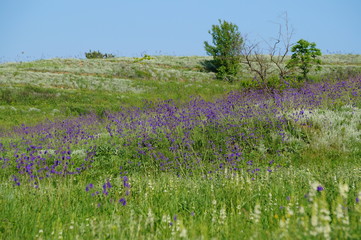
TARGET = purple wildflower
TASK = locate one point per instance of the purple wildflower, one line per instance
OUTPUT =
(16, 180)
(123, 201)
(88, 187)
(125, 182)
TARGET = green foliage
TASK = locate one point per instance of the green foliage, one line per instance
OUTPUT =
(97, 54)
(226, 54)
(304, 58)
(145, 57)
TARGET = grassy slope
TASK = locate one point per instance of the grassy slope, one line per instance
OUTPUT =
(34, 91)
(48, 88)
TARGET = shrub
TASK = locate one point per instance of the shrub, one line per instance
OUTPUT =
(226, 51)
(145, 57)
(97, 54)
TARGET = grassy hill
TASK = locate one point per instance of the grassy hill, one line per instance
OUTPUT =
(45, 89)
(60, 87)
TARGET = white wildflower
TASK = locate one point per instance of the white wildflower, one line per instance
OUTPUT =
(214, 211)
(150, 185)
(343, 190)
(325, 220)
(301, 210)
(283, 223)
(314, 219)
(150, 218)
(222, 215)
(289, 211)
(183, 233)
(256, 215)
(342, 216)
(166, 219)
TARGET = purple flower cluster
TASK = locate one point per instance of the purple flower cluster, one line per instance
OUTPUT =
(106, 192)
(223, 132)
(46, 150)
(198, 135)
(88, 187)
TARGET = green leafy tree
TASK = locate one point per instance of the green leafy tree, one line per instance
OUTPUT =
(226, 50)
(304, 58)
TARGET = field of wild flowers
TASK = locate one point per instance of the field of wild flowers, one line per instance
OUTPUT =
(249, 165)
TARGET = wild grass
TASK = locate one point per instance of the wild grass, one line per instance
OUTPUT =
(219, 165)
(77, 86)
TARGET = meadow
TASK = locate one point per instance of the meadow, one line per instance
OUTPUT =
(127, 148)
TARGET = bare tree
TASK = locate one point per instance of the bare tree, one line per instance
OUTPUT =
(281, 47)
(264, 65)
(256, 61)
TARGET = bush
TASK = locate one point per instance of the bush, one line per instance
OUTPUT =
(145, 57)
(226, 51)
(97, 54)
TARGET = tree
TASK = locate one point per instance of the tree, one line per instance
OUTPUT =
(257, 63)
(226, 51)
(282, 44)
(305, 56)
(269, 63)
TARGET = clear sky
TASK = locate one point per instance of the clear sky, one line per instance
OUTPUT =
(35, 29)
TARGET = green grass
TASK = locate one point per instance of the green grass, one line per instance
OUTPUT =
(165, 206)
(282, 204)
(75, 86)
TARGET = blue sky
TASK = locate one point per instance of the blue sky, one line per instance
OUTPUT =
(34, 29)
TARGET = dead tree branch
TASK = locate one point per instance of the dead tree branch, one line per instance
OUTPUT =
(281, 47)
(264, 65)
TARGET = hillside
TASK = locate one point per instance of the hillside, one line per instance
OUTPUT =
(45, 89)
